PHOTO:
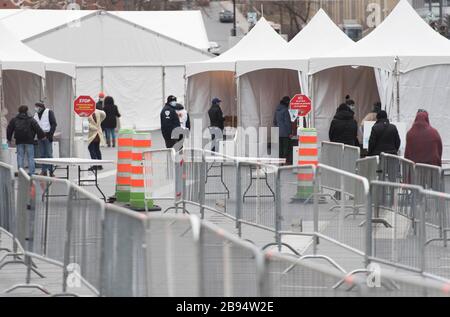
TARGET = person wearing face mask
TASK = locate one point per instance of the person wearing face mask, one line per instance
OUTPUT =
(47, 121)
(169, 121)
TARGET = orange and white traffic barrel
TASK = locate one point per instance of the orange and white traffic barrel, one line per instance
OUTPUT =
(307, 154)
(123, 178)
(141, 143)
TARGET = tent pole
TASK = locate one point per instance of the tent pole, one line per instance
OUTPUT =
(163, 83)
(102, 88)
(72, 116)
(397, 74)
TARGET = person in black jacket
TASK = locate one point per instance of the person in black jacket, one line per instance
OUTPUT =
(24, 128)
(169, 121)
(216, 121)
(344, 128)
(384, 136)
(109, 125)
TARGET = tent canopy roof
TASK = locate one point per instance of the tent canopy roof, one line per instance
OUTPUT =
(188, 27)
(14, 55)
(260, 43)
(403, 34)
(320, 35)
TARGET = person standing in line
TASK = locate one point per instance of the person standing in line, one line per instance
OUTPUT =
(47, 121)
(384, 137)
(109, 125)
(282, 120)
(343, 127)
(217, 121)
(99, 104)
(24, 128)
(95, 136)
(423, 142)
(169, 121)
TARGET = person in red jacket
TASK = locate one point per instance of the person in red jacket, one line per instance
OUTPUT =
(423, 142)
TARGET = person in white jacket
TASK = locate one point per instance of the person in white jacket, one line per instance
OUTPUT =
(95, 136)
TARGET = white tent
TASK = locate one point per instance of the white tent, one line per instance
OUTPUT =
(27, 77)
(136, 57)
(216, 77)
(411, 63)
(265, 80)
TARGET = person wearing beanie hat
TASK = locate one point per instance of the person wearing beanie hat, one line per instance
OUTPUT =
(169, 121)
(282, 120)
(384, 137)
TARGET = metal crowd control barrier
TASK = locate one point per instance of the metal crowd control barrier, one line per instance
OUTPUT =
(346, 232)
(7, 215)
(256, 197)
(221, 177)
(331, 154)
(193, 178)
(396, 226)
(123, 265)
(160, 177)
(436, 207)
(229, 266)
(396, 169)
(290, 276)
(429, 177)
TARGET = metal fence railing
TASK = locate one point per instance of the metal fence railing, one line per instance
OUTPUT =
(161, 184)
(396, 169)
(117, 252)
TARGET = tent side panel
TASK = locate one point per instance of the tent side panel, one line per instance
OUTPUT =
(137, 91)
(427, 88)
(60, 99)
(174, 83)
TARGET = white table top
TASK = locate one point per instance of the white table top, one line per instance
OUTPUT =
(264, 160)
(74, 161)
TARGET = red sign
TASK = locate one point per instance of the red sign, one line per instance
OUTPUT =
(301, 103)
(84, 106)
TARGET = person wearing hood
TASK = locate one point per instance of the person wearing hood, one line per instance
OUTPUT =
(282, 120)
(343, 128)
(47, 121)
(169, 121)
(24, 128)
(217, 121)
(384, 137)
(423, 142)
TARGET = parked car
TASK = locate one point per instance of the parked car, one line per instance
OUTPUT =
(226, 16)
(214, 48)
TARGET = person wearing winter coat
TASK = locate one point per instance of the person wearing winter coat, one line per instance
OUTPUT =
(24, 129)
(109, 125)
(95, 136)
(282, 120)
(47, 121)
(169, 121)
(423, 142)
(217, 121)
(343, 127)
(384, 137)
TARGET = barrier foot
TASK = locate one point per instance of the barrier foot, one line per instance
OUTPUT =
(65, 295)
(27, 286)
(436, 239)
(355, 214)
(326, 258)
(184, 210)
(339, 207)
(283, 244)
(5, 250)
(377, 220)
